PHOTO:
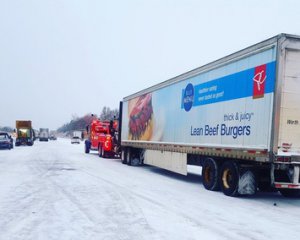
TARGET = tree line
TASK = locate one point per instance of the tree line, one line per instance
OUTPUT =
(6, 129)
(80, 123)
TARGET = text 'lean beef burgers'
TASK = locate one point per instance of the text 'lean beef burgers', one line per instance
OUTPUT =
(140, 119)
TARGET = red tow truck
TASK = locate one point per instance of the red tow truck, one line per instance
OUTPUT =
(102, 136)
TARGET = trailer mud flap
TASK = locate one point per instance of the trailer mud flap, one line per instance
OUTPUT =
(247, 183)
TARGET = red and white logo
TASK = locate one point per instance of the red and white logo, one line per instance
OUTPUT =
(259, 81)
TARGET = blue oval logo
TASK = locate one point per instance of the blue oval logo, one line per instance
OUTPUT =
(188, 97)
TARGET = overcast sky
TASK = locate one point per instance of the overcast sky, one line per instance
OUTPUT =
(60, 58)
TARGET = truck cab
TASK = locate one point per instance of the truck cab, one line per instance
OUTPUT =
(24, 133)
(101, 138)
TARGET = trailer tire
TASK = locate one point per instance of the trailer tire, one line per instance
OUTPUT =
(210, 174)
(133, 157)
(290, 193)
(104, 154)
(123, 155)
(99, 151)
(135, 161)
(128, 156)
(229, 178)
(142, 157)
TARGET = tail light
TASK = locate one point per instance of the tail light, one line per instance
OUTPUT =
(286, 147)
(283, 159)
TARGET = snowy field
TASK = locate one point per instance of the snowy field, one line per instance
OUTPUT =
(54, 191)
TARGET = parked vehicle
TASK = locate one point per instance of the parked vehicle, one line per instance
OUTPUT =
(6, 141)
(44, 134)
(76, 136)
(52, 137)
(75, 139)
(24, 133)
(237, 117)
(102, 137)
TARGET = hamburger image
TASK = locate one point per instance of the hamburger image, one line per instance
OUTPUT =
(141, 118)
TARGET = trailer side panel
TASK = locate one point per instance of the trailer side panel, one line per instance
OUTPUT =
(229, 106)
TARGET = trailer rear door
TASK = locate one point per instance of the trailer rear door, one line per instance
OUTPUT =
(289, 129)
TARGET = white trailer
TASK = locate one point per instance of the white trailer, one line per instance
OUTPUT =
(77, 134)
(76, 137)
(237, 117)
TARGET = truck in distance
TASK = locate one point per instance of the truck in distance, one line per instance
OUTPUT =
(76, 136)
(237, 117)
(44, 134)
(24, 133)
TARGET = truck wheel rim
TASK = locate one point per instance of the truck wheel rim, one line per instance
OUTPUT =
(207, 174)
(227, 178)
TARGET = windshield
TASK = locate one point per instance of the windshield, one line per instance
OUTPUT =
(24, 133)
(3, 136)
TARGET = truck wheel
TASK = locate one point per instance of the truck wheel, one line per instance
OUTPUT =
(99, 151)
(135, 161)
(128, 156)
(133, 157)
(104, 154)
(290, 193)
(142, 157)
(123, 155)
(210, 174)
(229, 178)
(86, 148)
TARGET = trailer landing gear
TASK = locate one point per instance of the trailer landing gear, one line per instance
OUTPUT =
(131, 156)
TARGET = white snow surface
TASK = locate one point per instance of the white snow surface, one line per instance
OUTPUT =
(53, 190)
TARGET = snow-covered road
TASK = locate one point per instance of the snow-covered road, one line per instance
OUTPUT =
(54, 191)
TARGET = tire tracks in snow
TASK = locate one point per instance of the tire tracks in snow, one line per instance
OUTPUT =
(130, 194)
(114, 219)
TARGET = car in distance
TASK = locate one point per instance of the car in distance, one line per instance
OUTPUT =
(52, 137)
(6, 141)
(75, 139)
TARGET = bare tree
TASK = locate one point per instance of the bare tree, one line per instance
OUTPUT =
(108, 114)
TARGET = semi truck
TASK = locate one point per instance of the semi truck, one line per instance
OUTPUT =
(237, 117)
(76, 136)
(44, 134)
(24, 133)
